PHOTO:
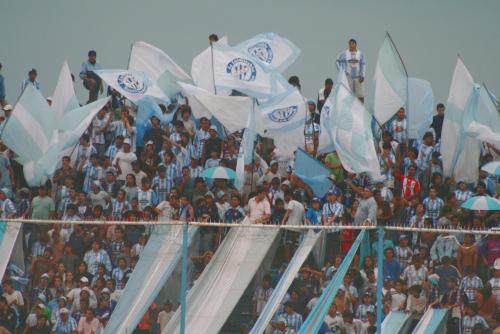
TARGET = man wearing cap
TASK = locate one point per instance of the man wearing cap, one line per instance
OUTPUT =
(91, 81)
(271, 173)
(352, 62)
(65, 324)
(31, 80)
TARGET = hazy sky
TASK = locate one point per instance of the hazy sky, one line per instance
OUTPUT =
(428, 33)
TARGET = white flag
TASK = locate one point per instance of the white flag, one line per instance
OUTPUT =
(271, 49)
(283, 113)
(132, 84)
(64, 98)
(201, 70)
(154, 62)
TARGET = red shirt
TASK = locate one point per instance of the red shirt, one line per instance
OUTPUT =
(409, 186)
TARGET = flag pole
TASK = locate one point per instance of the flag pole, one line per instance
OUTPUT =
(185, 232)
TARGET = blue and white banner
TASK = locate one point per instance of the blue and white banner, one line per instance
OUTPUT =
(325, 135)
(147, 108)
(420, 107)
(154, 62)
(8, 236)
(271, 49)
(237, 70)
(245, 154)
(460, 152)
(433, 321)
(482, 121)
(133, 84)
(352, 135)
(390, 82)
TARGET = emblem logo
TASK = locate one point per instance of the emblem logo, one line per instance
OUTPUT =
(241, 69)
(282, 115)
(263, 51)
(326, 110)
(132, 84)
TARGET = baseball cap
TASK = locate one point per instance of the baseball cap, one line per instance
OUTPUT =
(150, 142)
(282, 320)
(213, 127)
(403, 236)
(64, 310)
(45, 275)
(7, 107)
(84, 279)
(127, 141)
(42, 306)
(273, 162)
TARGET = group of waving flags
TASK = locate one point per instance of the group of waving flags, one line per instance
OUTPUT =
(243, 87)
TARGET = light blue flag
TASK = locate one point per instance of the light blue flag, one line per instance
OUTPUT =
(237, 70)
(390, 82)
(147, 108)
(315, 318)
(8, 235)
(482, 120)
(271, 49)
(352, 135)
(312, 172)
(420, 107)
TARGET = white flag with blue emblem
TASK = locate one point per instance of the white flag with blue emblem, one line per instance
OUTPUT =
(460, 152)
(237, 70)
(282, 113)
(271, 49)
(64, 98)
(132, 84)
(154, 62)
(201, 70)
(352, 135)
(483, 120)
(390, 82)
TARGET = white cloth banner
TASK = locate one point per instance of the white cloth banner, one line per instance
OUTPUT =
(283, 113)
(64, 98)
(220, 286)
(7, 242)
(154, 62)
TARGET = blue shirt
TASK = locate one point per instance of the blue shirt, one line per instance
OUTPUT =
(88, 67)
(26, 82)
(392, 269)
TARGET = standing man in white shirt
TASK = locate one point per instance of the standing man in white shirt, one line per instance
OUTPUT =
(352, 61)
(259, 208)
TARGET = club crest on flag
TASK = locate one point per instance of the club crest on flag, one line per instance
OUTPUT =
(326, 110)
(132, 84)
(263, 51)
(282, 115)
(241, 69)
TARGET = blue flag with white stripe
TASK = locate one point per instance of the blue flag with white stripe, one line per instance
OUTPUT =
(271, 49)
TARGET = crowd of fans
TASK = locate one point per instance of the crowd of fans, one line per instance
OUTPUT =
(75, 274)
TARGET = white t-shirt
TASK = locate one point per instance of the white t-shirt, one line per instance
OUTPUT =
(124, 161)
(334, 324)
(258, 209)
(15, 296)
(296, 215)
(164, 318)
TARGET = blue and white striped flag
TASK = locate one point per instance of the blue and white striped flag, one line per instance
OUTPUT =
(271, 49)
(133, 84)
(460, 152)
(420, 107)
(483, 120)
(237, 70)
(390, 82)
(352, 135)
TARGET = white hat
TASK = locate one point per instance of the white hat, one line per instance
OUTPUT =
(41, 305)
(127, 141)
(105, 290)
(150, 142)
(496, 264)
(44, 275)
(84, 279)
(7, 107)
(213, 127)
(64, 310)
(282, 320)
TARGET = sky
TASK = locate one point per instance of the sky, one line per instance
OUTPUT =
(428, 33)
